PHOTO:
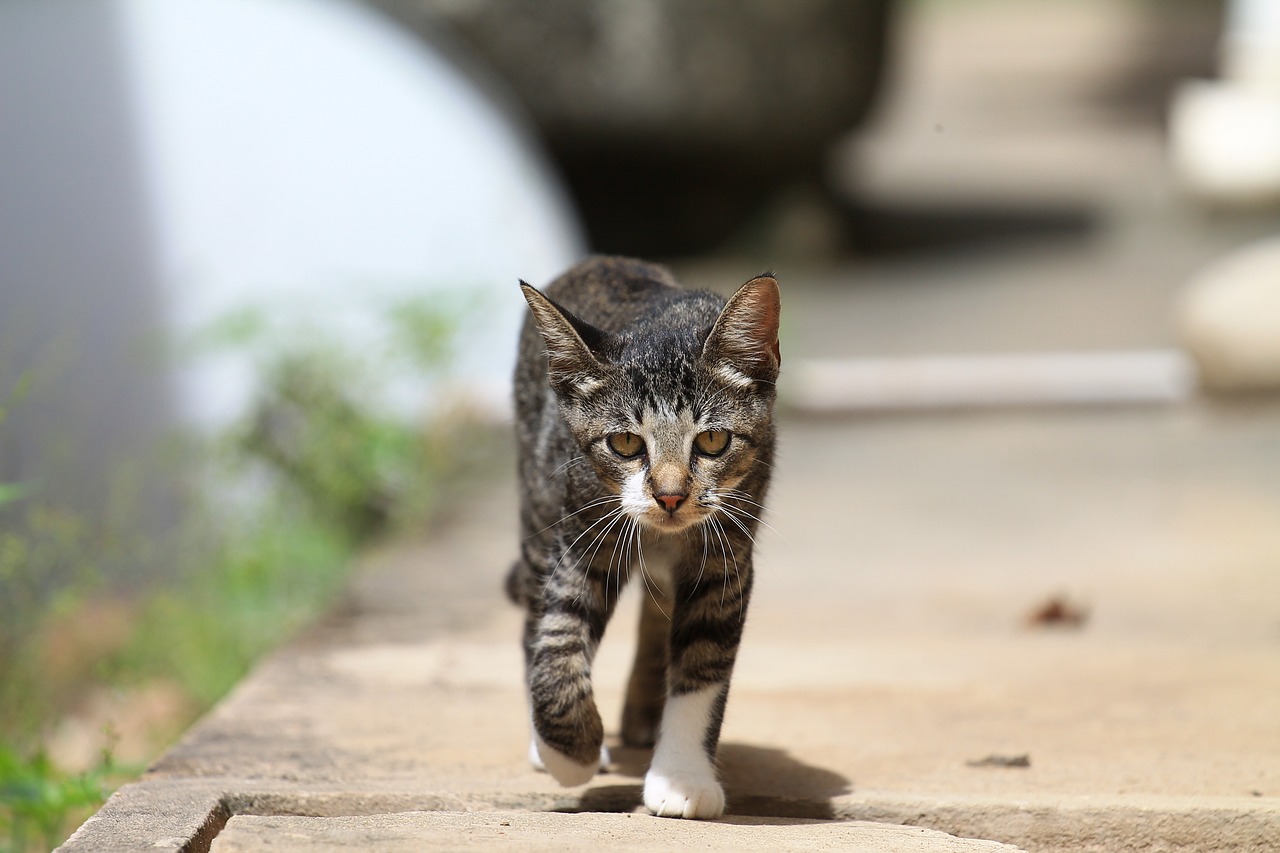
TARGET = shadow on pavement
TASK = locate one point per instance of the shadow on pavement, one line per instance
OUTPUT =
(760, 782)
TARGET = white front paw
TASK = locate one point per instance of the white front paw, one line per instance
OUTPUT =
(691, 796)
(562, 768)
(534, 758)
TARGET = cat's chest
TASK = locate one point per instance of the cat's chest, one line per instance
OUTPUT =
(661, 554)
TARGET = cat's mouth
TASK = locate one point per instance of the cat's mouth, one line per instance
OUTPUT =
(672, 522)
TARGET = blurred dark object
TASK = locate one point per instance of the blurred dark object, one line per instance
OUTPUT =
(676, 121)
(1019, 122)
(1058, 612)
(1023, 760)
(883, 229)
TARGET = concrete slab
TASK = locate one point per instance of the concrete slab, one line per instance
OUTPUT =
(414, 831)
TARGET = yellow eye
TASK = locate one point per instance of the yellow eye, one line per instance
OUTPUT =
(626, 444)
(712, 442)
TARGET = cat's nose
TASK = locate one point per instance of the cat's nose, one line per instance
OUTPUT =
(670, 502)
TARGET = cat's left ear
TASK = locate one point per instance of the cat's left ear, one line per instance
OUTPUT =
(745, 336)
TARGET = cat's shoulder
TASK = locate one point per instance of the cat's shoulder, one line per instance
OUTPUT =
(618, 294)
(609, 277)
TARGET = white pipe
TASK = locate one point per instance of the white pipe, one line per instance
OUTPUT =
(957, 381)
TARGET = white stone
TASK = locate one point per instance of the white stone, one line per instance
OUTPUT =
(1224, 142)
(1230, 318)
(1224, 135)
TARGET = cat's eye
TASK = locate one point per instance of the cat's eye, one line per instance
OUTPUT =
(626, 444)
(712, 442)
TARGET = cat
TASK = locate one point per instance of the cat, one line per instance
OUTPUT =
(645, 432)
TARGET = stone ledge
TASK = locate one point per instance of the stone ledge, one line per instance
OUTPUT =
(191, 814)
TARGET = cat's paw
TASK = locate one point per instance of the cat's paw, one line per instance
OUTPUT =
(562, 768)
(690, 795)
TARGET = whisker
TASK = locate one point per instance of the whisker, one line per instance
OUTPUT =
(738, 522)
(745, 500)
(607, 499)
(744, 496)
(705, 402)
(740, 494)
(613, 557)
(739, 513)
(725, 549)
(737, 571)
(598, 542)
(737, 510)
(609, 516)
(638, 558)
(650, 584)
(622, 550)
(702, 528)
(566, 465)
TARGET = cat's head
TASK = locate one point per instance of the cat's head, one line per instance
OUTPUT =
(675, 414)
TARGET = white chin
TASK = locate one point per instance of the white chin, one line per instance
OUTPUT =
(669, 523)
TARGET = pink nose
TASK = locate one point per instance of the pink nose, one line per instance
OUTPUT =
(670, 502)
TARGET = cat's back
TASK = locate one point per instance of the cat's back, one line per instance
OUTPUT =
(612, 293)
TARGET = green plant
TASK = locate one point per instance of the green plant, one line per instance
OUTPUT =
(50, 576)
(322, 445)
(38, 801)
(252, 590)
(316, 471)
(46, 565)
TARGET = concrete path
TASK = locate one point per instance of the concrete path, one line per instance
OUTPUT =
(886, 657)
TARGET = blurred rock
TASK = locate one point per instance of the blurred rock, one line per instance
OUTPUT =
(673, 121)
(1224, 142)
(1231, 320)
(1224, 135)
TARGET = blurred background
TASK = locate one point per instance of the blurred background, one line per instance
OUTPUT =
(258, 266)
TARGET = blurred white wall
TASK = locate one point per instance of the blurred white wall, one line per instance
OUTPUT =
(164, 163)
(309, 158)
(80, 297)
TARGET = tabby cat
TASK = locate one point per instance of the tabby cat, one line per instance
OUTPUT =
(644, 417)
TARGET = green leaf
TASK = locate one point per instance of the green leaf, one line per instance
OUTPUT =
(10, 492)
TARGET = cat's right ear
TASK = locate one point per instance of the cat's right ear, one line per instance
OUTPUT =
(572, 366)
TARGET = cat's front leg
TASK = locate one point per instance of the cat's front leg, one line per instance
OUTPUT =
(560, 643)
(705, 631)
(681, 781)
(647, 687)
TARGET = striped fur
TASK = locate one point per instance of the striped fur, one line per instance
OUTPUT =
(615, 346)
